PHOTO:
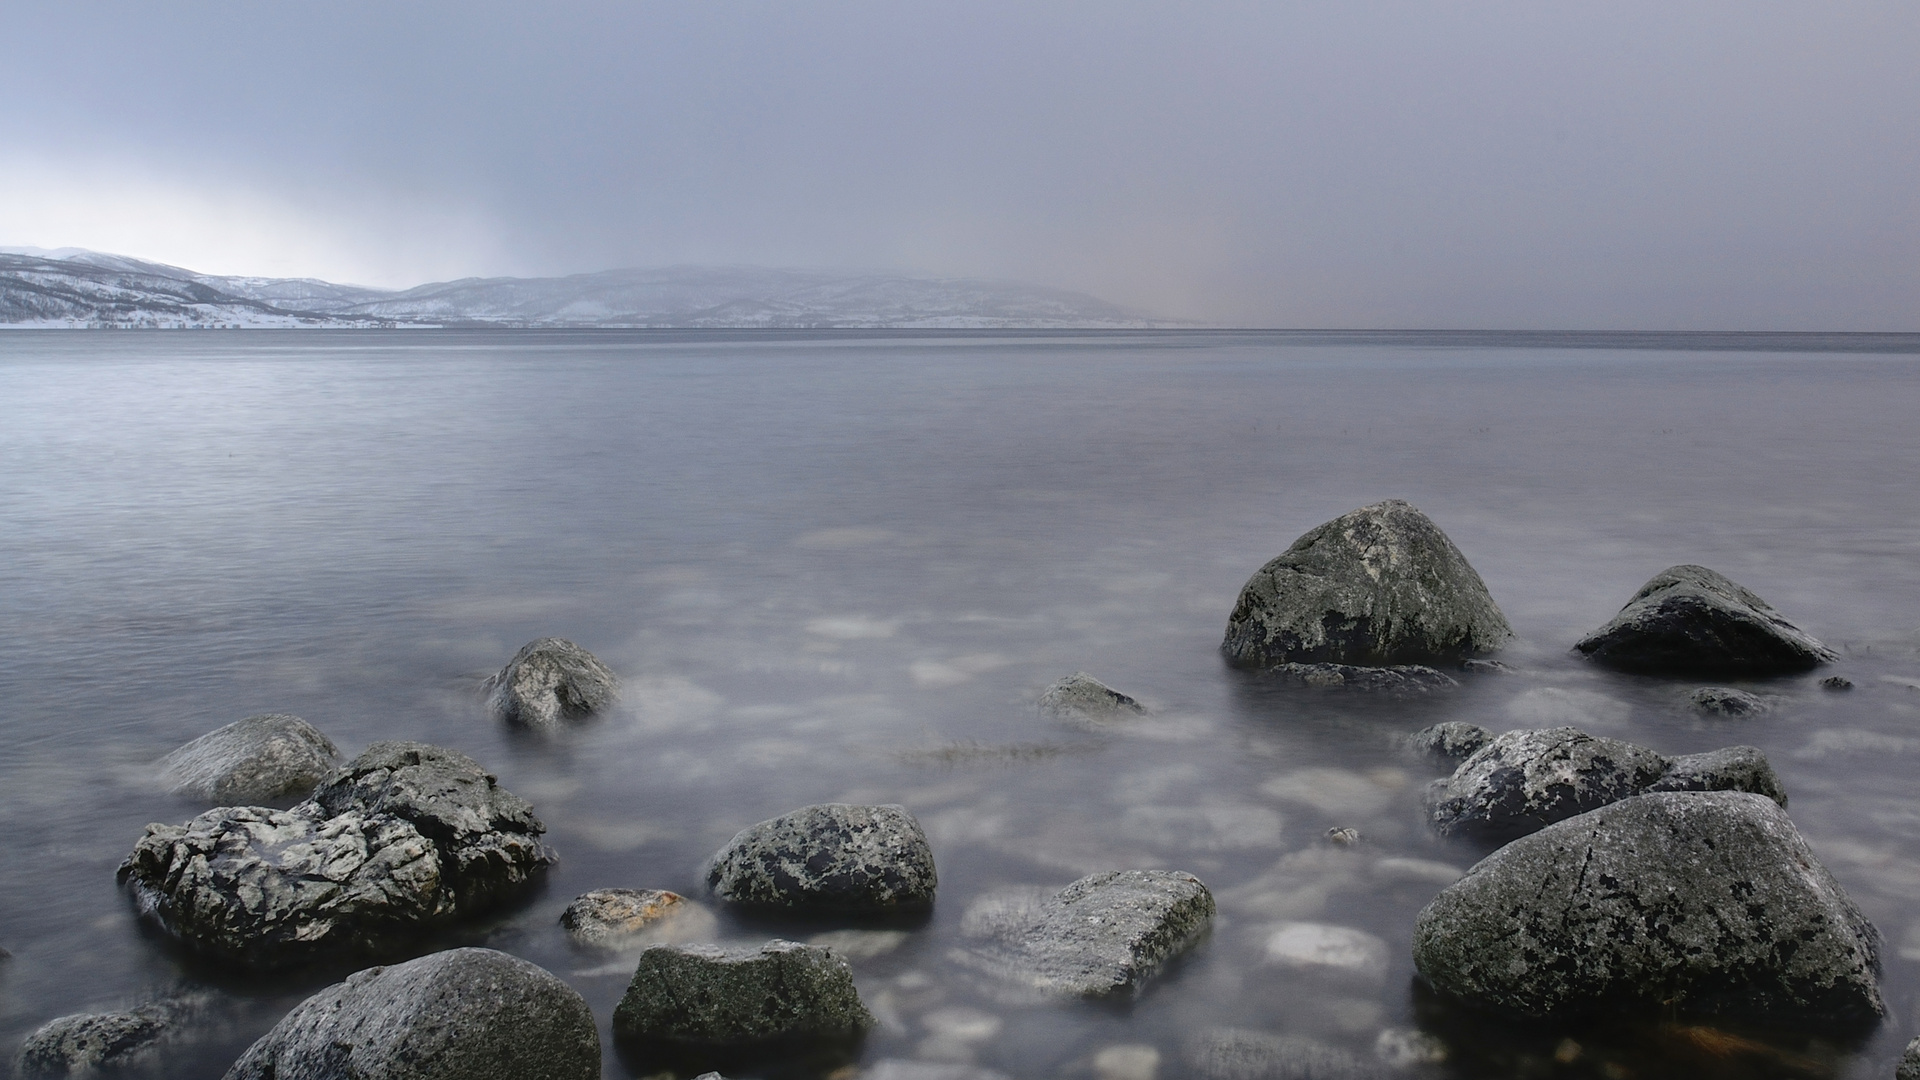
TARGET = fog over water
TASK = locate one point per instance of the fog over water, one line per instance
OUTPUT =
(837, 566)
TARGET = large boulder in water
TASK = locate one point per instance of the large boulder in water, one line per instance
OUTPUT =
(1381, 585)
(1103, 936)
(716, 1005)
(447, 1016)
(259, 759)
(550, 680)
(1523, 781)
(1690, 620)
(1701, 903)
(832, 857)
(407, 835)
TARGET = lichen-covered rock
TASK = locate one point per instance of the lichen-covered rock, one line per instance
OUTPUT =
(1726, 701)
(259, 759)
(1394, 679)
(91, 1043)
(1701, 903)
(1690, 620)
(1381, 585)
(1081, 696)
(1105, 935)
(609, 916)
(831, 857)
(550, 680)
(1236, 1054)
(1525, 780)
(446, 1016)
(695, 996)
(405, 836)
(1452, 741)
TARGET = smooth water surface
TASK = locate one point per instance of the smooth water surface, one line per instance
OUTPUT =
(841, 567)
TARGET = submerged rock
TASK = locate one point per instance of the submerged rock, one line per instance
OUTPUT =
(1525, 780)
(447, 1016)
(1726, 701)
(90, 1043)
(259, 759)
(1081, 696)
(705, 996)
(1235, 1054)
(1380, 585)
(405, 836)
(608, 916)
(1310, 946)
(831, 857)
(1690, 620)
(1836, 682)
(1705, 903)
(1105, 935)
(1453, 741)
(1398, 679)
(550, 680)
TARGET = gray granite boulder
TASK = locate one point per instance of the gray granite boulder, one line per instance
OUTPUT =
(1909, 1067)
(832, 857)
(406, 836)
(1399, 679)
(609, 916)
(1381, 585)
(550, 680)
(1697, 903)
(1083, 697)
(1103, 936)
(446, 1016)
(706, 996)
(1690, 620)
(91, 1043)
(256, 760)
(1238, 1054)
(1525, 780)
(1453, 741)
(1726, 701)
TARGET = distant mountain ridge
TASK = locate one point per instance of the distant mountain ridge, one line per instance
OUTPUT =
(70, 288)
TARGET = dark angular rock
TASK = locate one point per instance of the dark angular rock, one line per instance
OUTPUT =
(1726, 701)
(1381, 585)
(1909, 1068)
(1105, 935)
(605, 916)
(1081, 696)
(550, 680)
(1452, 741)
(1398, 679)
(1696, 903)
(446, 1016)
(407, 835)
(1235, 1054)
(256, 760)
(1525, 780)
(90, 1043)
(1836, 682)
(1690, 620)
(831, 857)
(729, 1000)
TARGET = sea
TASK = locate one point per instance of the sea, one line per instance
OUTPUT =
(840, 566)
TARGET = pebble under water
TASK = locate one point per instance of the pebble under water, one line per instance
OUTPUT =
(841, 567)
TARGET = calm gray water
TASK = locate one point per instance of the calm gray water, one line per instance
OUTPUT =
(840, 567)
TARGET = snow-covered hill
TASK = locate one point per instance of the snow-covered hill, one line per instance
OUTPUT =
(82, 288)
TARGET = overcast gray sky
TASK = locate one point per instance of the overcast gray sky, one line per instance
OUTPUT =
(1620, 165)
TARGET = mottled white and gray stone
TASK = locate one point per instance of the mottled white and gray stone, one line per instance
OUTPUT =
(1453, 741)
(706, 996)
(256, 760)
(89, 1044)
(1105, 935)
(1378, 586)
(447, 1016)
(406, 836)
(1909, 1067)
(1523, 781)
(1080, 696)
(1689, 620)
(1701, 903)
(831, 857)
(550, 680)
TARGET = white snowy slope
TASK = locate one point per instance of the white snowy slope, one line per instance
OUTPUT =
(79, 288)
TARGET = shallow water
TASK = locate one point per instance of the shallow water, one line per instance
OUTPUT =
(841, 567)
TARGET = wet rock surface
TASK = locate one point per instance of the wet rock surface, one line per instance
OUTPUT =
(1452, 741)
(1236, 1054)
(607, 917)
(831, 857)
(1523, 781)
(1689, 620)
(1909, 1067)
(1105, 935)
(1081, 696)
(1706, 903)
(447, 1016)
(1378, 586)
(1726, 701)
(259, 759)
(407, 835)
(548, 681)
(1398, 679)
(87, 1044)
(693, 998)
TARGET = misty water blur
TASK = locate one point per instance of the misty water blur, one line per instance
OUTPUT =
(841, 567)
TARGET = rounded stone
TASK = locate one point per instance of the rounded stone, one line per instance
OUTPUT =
(447, 1016)
(831, 857)
(1689, 620)
(1726, 701)
(550, 680)
(88, 1043)
(607, 916)
(259, 759)
(1081, 696)
(1452, 741)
